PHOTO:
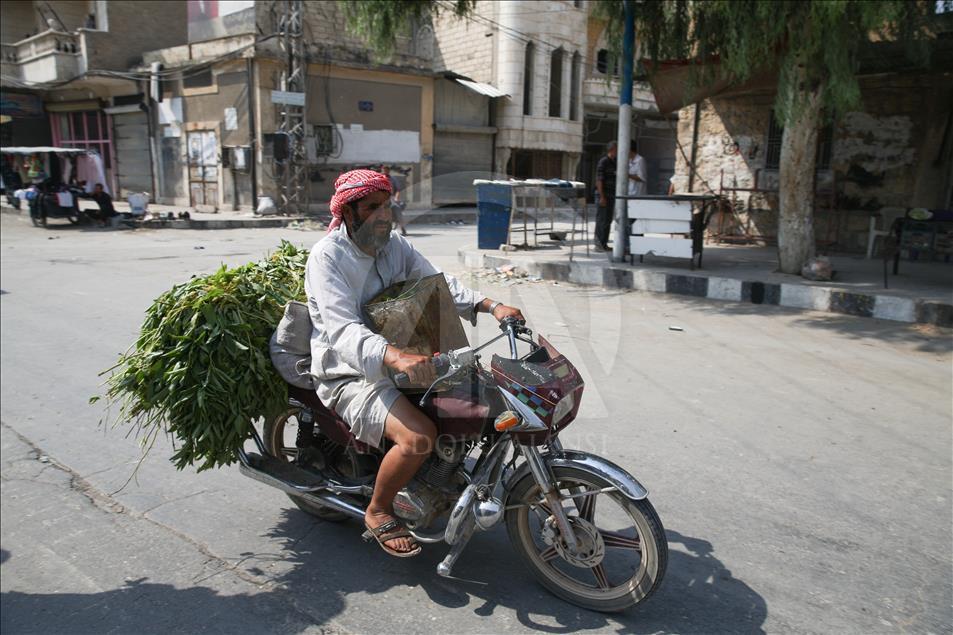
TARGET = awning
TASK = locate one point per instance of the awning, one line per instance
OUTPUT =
(673, 87)
(483, 89)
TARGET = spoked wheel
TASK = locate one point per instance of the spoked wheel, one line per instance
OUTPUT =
(622, 552)
(280, 435)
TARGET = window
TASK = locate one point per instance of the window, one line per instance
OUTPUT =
(528, 79)
(556, 83)
(202, 79)
(606, 64)
(574, 87)
(825, 138)
(775, 132)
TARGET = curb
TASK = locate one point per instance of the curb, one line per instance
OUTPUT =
(795, 296)
(223, 223)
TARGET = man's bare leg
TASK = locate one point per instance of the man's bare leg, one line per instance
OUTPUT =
(412, 433)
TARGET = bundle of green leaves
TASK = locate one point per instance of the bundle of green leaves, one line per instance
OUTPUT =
(200, 370)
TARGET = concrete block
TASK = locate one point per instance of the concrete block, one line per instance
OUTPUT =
(617, 278)
(554, 271)
(648, 281)
(760, 292)
(585, 273)
(934, 313)
(696, 286)
(471, 259)
(802, 296)
(888, 307)
(859, 304)
(724, 289)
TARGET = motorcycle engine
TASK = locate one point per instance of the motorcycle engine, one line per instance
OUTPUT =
(435, 486)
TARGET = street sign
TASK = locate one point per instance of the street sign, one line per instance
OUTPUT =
(284, 97)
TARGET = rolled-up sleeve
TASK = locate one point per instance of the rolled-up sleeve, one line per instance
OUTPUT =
(465, 299)
(341, 316)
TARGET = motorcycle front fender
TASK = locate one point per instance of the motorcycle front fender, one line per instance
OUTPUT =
(591, 464)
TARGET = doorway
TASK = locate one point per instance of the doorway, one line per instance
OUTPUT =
(203, 168)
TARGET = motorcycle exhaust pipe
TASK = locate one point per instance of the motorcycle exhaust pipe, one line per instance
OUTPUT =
(337, 504)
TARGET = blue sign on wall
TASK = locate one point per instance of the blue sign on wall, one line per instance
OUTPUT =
(365, 106)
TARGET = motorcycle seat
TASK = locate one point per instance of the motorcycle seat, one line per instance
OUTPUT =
(333, 426)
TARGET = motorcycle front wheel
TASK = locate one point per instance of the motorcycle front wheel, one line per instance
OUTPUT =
(279, 437)
(622, 552)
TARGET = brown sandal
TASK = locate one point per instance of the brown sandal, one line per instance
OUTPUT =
(389, 531)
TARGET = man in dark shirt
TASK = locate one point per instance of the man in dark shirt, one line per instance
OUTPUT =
(105, 203)
(605, 197)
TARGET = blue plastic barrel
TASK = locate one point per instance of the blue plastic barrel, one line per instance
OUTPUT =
(494, 208)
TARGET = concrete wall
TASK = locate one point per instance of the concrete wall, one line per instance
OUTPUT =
(467, 46)
(19, 21)
(328, 40)
(134, 28)
(887, 155)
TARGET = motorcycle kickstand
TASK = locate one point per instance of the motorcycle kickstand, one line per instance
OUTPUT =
(443, 569)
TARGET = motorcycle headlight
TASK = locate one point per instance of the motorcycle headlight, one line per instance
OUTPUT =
(564, 407)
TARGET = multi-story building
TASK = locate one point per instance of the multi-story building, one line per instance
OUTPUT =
(219, 111)
(63, 73)
(533, 53)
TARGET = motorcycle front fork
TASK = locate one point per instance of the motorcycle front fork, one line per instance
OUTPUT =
(547, 484)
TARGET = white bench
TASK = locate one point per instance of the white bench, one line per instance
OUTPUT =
(661, 228)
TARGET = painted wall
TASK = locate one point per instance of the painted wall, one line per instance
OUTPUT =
(891, 154)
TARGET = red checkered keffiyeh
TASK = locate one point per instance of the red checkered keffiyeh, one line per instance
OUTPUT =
(352, 186)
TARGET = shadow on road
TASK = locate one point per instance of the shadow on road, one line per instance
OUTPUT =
(331, 568)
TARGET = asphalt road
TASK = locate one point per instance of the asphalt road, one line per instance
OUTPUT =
(801, 464)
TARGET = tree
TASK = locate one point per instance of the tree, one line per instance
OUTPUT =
(379, 22)
(813, 45)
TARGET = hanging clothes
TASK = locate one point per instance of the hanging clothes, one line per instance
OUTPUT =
(89, 168)
(66, 167)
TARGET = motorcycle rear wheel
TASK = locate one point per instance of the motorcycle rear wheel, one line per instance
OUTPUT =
(602, 588)
(274, 437)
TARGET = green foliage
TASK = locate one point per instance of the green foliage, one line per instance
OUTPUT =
(201, 369)
(814, 45)
(380, 22)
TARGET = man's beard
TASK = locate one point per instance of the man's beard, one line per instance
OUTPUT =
(365, 234)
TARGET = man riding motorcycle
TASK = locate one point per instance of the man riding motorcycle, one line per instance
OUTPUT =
(358, 258)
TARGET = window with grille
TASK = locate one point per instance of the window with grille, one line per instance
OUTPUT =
(528, 79)
(772, 159)
(825, 139)
(574, 87)
(556, 83)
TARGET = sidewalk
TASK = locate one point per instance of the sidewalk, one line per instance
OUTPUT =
(922, 292)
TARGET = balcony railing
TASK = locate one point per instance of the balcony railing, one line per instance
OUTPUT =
(45, 57)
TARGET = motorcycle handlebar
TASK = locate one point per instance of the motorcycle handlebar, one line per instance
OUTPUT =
(441, 363)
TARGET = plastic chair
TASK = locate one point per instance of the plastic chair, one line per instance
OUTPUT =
(887, 215)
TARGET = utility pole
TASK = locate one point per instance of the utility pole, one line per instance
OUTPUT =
(623, 142)
(294, 184)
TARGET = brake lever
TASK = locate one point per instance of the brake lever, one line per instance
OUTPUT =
(453, 370)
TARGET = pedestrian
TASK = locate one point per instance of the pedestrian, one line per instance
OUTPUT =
(636, 171)
(397, 206)
(605, 191)
(105, 203)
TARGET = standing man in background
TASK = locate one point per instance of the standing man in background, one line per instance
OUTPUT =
(605, 196)
(636, 171)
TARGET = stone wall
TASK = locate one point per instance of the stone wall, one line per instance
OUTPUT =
(888, 155)
(328, 40)
(466, 46)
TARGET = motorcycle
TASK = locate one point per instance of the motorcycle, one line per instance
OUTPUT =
(497, 459)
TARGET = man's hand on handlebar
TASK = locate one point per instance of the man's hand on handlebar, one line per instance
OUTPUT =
(418, 368)
(502, 312)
